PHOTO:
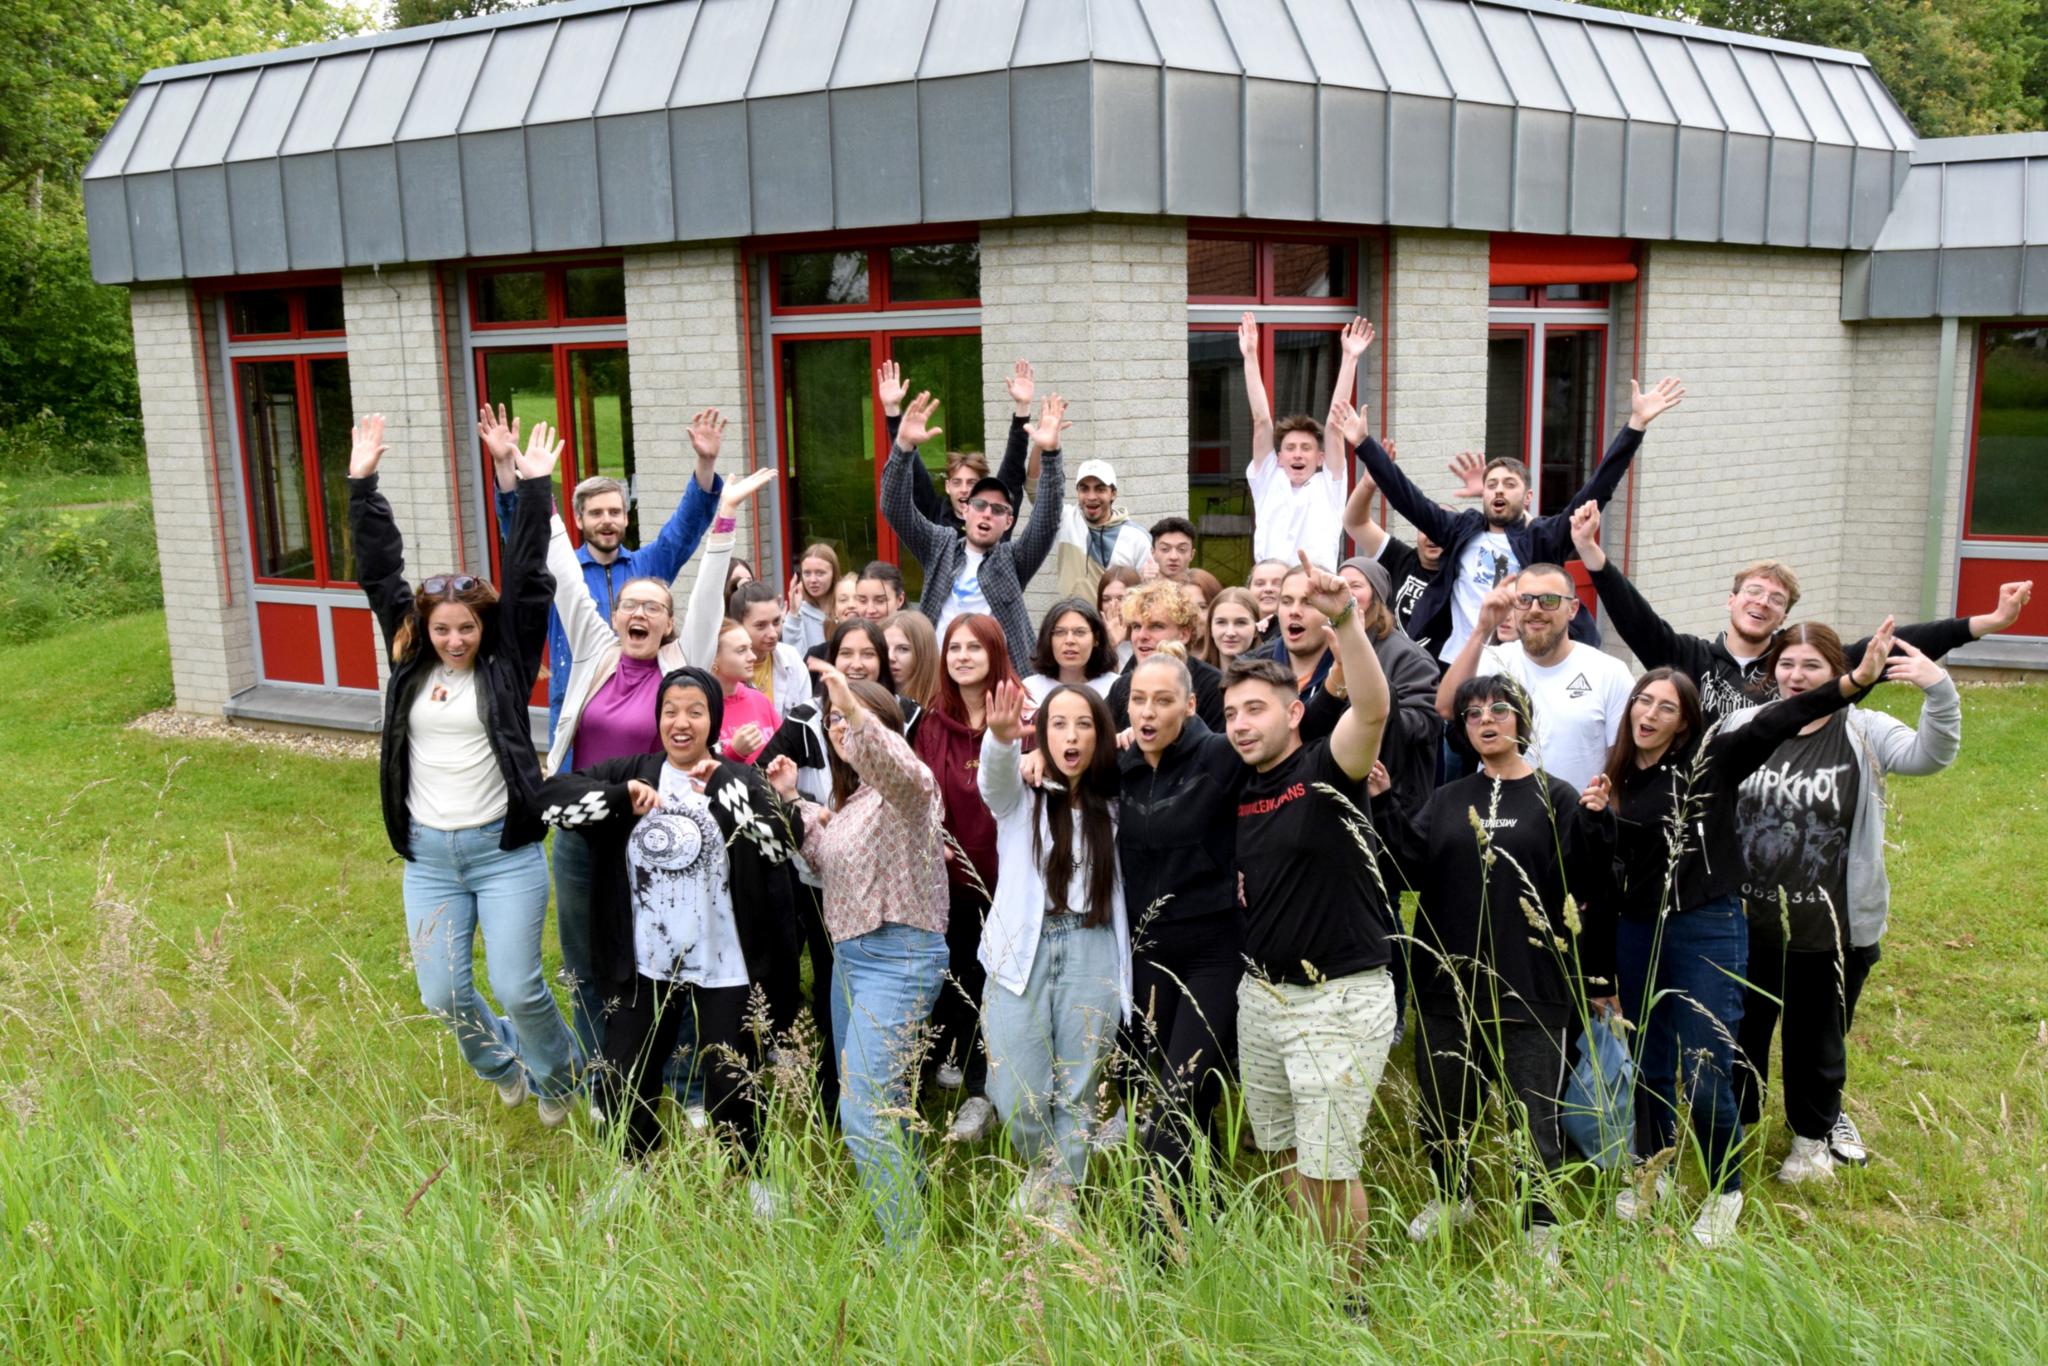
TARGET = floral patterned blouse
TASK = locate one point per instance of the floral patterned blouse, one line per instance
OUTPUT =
(881, 856)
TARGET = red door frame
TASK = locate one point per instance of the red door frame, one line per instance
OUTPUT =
(309, 465)
(570, 471)
(1266, 331)
(1599, 398)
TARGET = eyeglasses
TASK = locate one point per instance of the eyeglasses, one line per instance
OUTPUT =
(1756, 592)
(1549, 602)
(1497, 710)
(1665, 709)
(833, 718)
(449, 583)
(990, 506)
(644, 606)
(1072, 633)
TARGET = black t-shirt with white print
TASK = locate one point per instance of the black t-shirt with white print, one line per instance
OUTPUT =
(1794, 815)
(1404, 570)
(1313, 905)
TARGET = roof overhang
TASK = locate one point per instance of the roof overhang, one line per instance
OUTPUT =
(1968, 237)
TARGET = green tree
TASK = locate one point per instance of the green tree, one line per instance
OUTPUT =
(413, 13)
(1956, 67)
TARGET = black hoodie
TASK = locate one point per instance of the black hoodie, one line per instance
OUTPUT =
(1176, 835)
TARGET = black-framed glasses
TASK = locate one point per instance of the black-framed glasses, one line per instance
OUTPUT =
(449, 583)
(1549, 602)
(1499, 711)
(989, 505)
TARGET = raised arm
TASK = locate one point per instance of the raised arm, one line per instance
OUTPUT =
(1255, 392)
(1933, 745)
(1737, 752)
(998, 778)
(1353, 341)
(529, 589)
(1493, 610)
(889, 391)
(1035, 541)
(380, 548)
(501, 443)
(1020, 457)
(680, 535)
(883, 758)
(925, 537)
(1644, 407)
(699, 630)
(585, 626)
(1402, 494)
(1355, 742)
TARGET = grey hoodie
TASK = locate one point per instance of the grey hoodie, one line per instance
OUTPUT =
(1882, 745)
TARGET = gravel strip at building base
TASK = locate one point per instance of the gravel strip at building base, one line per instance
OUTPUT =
(176, 725)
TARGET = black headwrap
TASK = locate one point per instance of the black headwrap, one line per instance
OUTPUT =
(690, 676)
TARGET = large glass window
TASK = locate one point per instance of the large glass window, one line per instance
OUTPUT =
(294, 420)
(553, 294)
(912, 275)
(590, 383)
(2009, 460)
(1546, 387)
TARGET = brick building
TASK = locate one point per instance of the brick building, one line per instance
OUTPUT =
(612, 214)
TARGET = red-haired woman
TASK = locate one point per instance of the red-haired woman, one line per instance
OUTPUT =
(459, 778)
(974, 660)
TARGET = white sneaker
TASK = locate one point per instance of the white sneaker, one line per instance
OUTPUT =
(1033, 1194)
(618, 1192)
(949, 1076)
(1423, 1226)
(1061, 1211)
(1808, 1161)
(767, 1201)
(1113, 1132)
(554, 1113)
(1716, 1225)
(1630, 1204)
(697, 1116)
(1845, 1144)
(973, 1121)
(1546, 1242)
(513, 1092)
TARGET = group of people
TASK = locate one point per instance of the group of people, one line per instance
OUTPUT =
(1170, 825)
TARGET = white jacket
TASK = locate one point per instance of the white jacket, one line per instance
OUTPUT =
(1009, 935)
(1884, 744)
(1077, 574)
(594, 647)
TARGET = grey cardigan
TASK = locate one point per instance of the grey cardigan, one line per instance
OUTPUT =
(1883, 744)
(1005, 569)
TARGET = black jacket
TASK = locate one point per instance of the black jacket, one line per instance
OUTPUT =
(1176, 833)
(1703, 785)
(1727, 685)
(1208, 681)
(1537, 540)
(760, 833)
(1408, 747)
(515, 632)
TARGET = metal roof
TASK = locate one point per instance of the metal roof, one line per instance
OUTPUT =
(607, 123)
(1968, 237)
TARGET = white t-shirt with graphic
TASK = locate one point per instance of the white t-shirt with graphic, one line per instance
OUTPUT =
(966, 595)
(1287, 520)
(683, 926)
(1479, 568)
(1579, 706)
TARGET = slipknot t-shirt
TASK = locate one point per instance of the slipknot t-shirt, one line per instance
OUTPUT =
(1313, 904)
(1794, 815)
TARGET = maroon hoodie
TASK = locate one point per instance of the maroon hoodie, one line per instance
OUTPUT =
(952, 751)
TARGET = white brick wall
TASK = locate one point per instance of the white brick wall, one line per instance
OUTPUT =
(684, 344)
(206, 604)
(1436, 405)
(1100, 308)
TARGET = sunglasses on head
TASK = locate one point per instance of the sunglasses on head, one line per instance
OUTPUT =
(449, 583)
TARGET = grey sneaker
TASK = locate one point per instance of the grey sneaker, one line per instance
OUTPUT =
(973, 1121)
(697, 1115)
(513, 1092)
(1424, 1225)
(1113, 1132)
(554, 1113)
(949, 1076)
(767, 1201)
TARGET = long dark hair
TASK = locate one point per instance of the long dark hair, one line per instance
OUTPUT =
(873, 631)
(1055, 807)
(1692, 722)
(1101, 659)
(882, 708)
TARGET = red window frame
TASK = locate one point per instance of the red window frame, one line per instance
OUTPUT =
(1538, 296)
(295, 304)
(1969, 508)
(309, 462)
(1267, 328)
(877, 248)
(1262, 267)
(570, 471)
(554, 284)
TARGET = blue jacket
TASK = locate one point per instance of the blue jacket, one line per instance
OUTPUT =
(663, 559)
(1535, 540)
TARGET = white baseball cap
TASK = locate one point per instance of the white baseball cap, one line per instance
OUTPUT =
(1095, 469)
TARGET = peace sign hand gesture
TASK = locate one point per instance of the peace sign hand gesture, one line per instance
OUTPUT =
(1006, 712)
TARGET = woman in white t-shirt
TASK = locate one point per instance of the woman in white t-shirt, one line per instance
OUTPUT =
(1074, 646)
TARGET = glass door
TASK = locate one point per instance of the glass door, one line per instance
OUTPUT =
(949, 365)
(601, 436)
(830, 426)
(1574, 359)
(2005, 517)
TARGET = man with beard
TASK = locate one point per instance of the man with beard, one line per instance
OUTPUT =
(1728, 668)
(1578, 696)
(1482, 547)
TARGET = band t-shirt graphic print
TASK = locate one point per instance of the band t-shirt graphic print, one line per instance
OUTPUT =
(683, 926)
(1485, 560)
(1794, 816)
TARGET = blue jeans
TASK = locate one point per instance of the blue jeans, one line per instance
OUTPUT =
(1685, 994)
(459, 882)
(883, 986)
(1046, 1046)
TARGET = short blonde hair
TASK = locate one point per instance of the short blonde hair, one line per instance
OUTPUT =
(1162, 596)
(1777, 571)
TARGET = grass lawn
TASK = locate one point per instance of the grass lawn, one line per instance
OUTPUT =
(229, 1133)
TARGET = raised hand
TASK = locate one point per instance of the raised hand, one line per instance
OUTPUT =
(1586, 534)
(646, 799)
(1647, 405)
(796, 594)
(1327, 593)
(1351, 423)
(781, 775)
(1248, 337)
(365, 446)
(746, 740)
(1912, 666)
(890, 388)
(1006, 712)
(1870, 669)
(1496, 607)
(738, 491)
(1597, 793)
(1022, 384)
(1045, 433)
(543, 449)
(916, 428)
(500, 438)
(707, 431)
(2012, 600)
(1470, 468)
(1355, 338)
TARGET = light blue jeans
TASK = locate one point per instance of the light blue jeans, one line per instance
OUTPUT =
(459, 882)
(883, 986)
(1046, 1047)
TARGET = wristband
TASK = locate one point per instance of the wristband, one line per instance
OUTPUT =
(723, 525)
(1350, 609)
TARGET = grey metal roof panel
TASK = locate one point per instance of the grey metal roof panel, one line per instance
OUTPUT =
(1983, 203)
(1965, 237)
(614, 122)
